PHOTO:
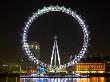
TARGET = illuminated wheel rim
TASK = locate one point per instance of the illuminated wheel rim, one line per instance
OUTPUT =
(54, 9)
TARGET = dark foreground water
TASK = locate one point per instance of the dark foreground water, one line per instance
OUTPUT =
(18, 79)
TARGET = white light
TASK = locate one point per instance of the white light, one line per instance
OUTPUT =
(80, 56)
(36, 47)
(28, 54)
(24, 34)
(34, 58)
(60, 9)
(28, 51)
(32, 18)
(75, 61)
(28, 23)
(78, 59)
(34, 61)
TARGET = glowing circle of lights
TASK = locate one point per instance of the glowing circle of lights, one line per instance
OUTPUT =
(54, 9)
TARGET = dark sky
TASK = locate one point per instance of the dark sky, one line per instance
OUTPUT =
(69, 32)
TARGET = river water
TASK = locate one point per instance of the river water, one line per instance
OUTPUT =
(18, 79)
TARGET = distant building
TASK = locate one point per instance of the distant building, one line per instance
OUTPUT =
(9, 68)
(91, 65)
(35, 49)
(90, 68)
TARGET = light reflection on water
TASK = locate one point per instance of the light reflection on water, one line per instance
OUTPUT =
(92, 79)
(18, 79)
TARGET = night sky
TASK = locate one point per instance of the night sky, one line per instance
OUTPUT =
(69, 32)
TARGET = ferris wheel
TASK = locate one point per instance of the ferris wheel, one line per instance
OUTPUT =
(55, 9)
